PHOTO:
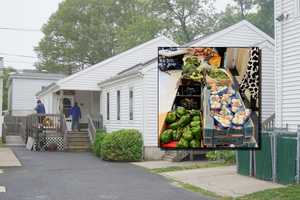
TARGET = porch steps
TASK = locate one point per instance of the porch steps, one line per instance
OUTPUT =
(78, 141)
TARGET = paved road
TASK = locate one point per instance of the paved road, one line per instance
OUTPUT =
(82, 176)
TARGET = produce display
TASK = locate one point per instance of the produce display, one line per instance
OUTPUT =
(185, 124)
(184, 127)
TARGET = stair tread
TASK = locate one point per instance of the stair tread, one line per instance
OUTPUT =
(79, 147)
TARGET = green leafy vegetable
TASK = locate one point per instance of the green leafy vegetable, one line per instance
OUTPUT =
(171, 117)
(166, 136)
(182, 143)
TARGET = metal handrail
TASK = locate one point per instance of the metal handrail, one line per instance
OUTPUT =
(91, 128)
(269, 123)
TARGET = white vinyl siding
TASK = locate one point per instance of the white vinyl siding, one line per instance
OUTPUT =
(150, 84)
(288, 64)
(124, 123)
(23, 91)
(297, 8)
(89, 78)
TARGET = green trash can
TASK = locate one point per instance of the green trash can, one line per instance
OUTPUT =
(263, 158)
(244, 160)
(286, 154)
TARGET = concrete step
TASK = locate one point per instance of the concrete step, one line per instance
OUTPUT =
(78, 148)
(79, 143)
(78, 139)
(169, 157)
(78, 135)
(14, 140)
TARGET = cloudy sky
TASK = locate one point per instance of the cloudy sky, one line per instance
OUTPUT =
(17, 46)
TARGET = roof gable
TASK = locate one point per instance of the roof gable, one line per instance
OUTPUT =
(240, 26)
(162, 39)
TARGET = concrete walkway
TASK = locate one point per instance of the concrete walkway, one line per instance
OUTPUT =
(14, 140)
(223, 181)
(164, 164)
(8, 158)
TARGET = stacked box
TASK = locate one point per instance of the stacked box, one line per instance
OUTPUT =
(213, 136)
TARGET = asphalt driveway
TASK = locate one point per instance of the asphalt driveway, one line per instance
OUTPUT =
(82, 176)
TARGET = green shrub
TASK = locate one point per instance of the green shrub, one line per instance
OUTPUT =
(227, 156)
(122, 145)
(96, 147)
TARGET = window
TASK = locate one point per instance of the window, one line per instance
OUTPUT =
(130, 104)
(107, 106)
(118, 105)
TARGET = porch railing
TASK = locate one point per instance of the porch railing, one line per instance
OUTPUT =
(54, 124)
(269, 123)
(94, 123)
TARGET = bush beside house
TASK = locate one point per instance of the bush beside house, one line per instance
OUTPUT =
(121, 145)
(226, 155)
(96, 147)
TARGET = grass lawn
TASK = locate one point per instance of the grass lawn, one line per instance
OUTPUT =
(193, 166)
(291, 192)
(1, 142)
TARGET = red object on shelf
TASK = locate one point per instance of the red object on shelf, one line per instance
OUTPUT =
(170, 144)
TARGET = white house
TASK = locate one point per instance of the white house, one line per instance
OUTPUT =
(124, 88)
(141, 82)
(287, 31)
(82, 86)
(22, 89)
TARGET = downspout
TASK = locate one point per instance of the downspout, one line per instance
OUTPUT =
(279, 64)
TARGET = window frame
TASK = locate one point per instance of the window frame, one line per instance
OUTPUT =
(118, 105)
(130, 104)
(107, 106)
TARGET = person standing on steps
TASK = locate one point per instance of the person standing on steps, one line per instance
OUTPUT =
(75, 112)
(40, 109)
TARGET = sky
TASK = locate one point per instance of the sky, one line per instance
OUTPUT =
(30, 14)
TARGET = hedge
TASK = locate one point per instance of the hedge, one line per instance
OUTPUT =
(96, 147)
(122, 145)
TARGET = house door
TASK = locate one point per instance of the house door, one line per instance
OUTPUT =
(68, 102)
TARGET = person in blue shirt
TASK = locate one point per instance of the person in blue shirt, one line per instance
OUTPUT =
(75, 112)
(40, 110)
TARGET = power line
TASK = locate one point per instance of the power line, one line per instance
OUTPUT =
(19, 29)
(17, 55)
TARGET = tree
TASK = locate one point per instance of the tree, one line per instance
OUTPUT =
(82, 33)
(264, 18)
(6, 73)
(244, 6)
(258, 12)
(188, 19)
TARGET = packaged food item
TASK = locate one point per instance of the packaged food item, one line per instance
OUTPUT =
(223, 121)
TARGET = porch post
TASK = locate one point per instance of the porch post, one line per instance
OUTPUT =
(61, 95)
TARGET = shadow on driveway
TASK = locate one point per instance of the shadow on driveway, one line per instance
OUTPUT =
(82, 176)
